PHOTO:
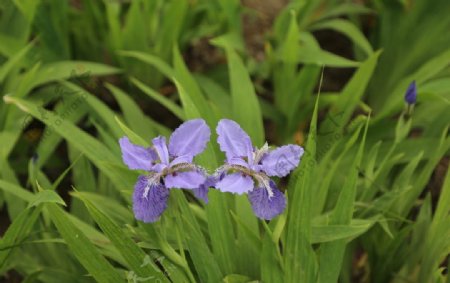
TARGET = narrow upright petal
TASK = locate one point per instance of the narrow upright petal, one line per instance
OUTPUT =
(190, 138)
(265, 207)
(235, 183)
(238, 161)
(136, 157)
(161, 149)
(411, 93)
(158, 167)
(149, 201)
(181, 159)
(233, 140)
(185, 180)
(281, 161)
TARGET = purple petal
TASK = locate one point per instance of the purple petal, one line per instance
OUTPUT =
(190, 138)
(238, 161)
(211, 181)
(202, 191)
(161, 149)
(235, 183)
(159, 167)
(184, 180)
(149, 202)
(181, 159)
(233, 140)
(265, 207)
(281, 161)
(136, 157)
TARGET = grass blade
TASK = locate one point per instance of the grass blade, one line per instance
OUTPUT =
(133, 255)
(332, 254)
(86, 253)
(300, 259)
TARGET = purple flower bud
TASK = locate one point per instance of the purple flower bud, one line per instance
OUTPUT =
(411, 93)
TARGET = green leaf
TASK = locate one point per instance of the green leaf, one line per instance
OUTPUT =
(437, 245)
(331, 254)
(221, 232)
(107, 205)
(155, 61)
(12, 62)
(443, 209)
(71, 69)
(347, 28)
(193, 97)
(46, 196)
(235, 278)
(101, 156)
(80, 246)
(219, 221)
(216, 93)
(427, 70)
(16, 191)
(271, 262)
(132, 253)
(169, 104)
(246, 110)
(300, 259)
(342, 110)
(346, 8)
(10, 45)
(16, 232)
(60, 178)
(330, 233)
(73, 109)
(135, 117)
(204, 261)
(135, 138)
(312, 55)
(83, 177)
(97, 106)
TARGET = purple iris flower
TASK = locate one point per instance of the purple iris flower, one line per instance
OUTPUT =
(248, 169)
(167, 167)
(411, 93)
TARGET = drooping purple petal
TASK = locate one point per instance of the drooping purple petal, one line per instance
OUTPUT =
(233, 140)
(411, 93)
(136, 157)
(202, 191)
(281, 161)
(211, 181)
(149, 201)
(185, 180)
(190, 138)
(161, 149)
(265, 207)
(235, 183)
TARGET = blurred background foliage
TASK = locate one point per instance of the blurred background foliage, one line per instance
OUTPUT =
(369, 203)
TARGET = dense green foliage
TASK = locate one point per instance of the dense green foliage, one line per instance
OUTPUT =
(370, 201)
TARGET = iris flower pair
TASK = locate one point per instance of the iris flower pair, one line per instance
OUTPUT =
(247, 169)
